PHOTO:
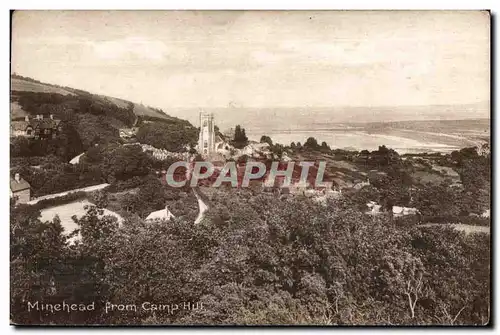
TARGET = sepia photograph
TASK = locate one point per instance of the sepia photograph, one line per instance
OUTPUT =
(250, 168)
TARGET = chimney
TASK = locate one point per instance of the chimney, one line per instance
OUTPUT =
(27, 118)
(52, 116)
(17, 178)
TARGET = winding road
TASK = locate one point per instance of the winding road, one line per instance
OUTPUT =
(202, 207)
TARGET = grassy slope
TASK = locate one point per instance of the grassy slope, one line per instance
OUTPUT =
(18, 84)
(25, 85)
(119, 102)
(145, 111)
(16, 111)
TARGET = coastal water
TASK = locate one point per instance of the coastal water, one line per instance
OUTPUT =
(406, 130)
(357, 140)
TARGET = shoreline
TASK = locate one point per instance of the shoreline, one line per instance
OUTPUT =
(363, 140)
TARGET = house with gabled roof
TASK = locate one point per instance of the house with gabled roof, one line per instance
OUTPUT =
(36, 128)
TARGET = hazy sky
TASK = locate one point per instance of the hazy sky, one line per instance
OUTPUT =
(260, 59)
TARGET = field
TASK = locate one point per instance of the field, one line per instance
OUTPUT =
(119, 102)
(18, 84)
(66, 211)
(24, 85)
(143, 110)
(16, 111)
(425, 177)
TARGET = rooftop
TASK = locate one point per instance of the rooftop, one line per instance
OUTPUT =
(163, 214)
(18, 186)
(35, 123)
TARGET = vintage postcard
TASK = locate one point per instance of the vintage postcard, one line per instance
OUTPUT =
(322, 168)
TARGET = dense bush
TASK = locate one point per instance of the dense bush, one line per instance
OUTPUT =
(34, 161)
(172, 136)
(67, 145)
(83, 103)
(57, 177)
(256, 260)
(123, 185)
(122, 166)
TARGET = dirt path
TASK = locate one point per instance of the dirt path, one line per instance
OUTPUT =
(463, 227)
(57, 195)
(203, 207)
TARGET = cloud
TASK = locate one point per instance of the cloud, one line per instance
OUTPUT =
(261, 58)
(267, 57)
(130, 48)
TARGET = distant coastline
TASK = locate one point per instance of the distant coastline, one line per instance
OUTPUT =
(405, 137)
(406, 129)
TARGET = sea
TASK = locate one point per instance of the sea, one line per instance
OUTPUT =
(404, 129)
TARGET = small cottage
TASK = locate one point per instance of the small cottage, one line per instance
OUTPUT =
(20, 188)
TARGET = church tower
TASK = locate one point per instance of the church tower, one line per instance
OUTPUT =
(206, 141)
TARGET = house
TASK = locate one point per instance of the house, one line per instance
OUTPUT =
(362, 184)
(398, 211)
(374, 208)
(36, 128)
(76, 159)
(341, 183)
(163, 214)
(128, 133)
(20, 188)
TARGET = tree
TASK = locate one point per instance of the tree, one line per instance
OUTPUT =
(20, 147)
(311, 144)
(325, 147)
(266, 139)
(240, 138)
(464, 154)
(99, 198)
(278, 150)
(436, 200)
(125, 162)
(255, 259)
(173, 136)
(37, 256)
(384, 157)
(68, 142)
(362, 197)
(150, 197)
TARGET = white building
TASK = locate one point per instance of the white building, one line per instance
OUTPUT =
(206, 140)
(160, 215)
(398, 211)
